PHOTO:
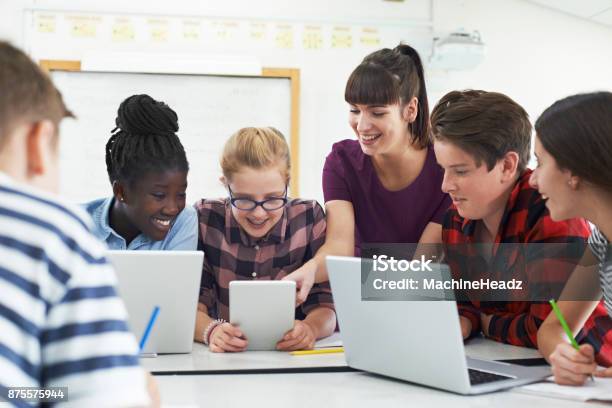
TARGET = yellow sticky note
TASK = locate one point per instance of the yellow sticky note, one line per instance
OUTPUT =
(312, 38)
(284, 36)
(341, 37)
(258, 31)
(45, 23)
(83, 26)
(191, 30)
(370, 37)
(158, 30)
(123, 30)
(83, 29)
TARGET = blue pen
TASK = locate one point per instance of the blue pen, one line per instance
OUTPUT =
(147, 331)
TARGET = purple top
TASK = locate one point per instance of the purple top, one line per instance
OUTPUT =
(383, 216)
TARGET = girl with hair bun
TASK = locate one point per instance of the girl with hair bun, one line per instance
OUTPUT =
(147, 168)
(385, 186)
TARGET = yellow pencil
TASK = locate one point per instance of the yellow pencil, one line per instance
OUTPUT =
(327, 350)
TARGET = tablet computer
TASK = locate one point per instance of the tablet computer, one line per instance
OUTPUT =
(264, 311)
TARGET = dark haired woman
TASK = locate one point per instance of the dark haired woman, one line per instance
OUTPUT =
(147, 168)
(574, 150)
(383, 187)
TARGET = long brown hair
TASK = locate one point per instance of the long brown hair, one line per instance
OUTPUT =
(577, 132)
(392, 76)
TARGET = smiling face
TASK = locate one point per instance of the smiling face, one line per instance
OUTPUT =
(476, 192)
(258, 185)
(556, 186)
(381, 129)
(152, 203)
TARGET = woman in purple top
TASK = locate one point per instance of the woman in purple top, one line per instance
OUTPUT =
(383, 187)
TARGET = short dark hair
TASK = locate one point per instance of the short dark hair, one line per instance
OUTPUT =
(27, 94)
(390, 76)
(577, 132)
(487, 125)
(144, 140)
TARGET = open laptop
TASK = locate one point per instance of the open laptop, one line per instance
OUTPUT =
(168, 279)
(416, 341)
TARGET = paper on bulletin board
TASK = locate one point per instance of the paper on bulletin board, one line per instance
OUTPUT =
(284, 36)
(158, 29)
(370, 37)
(258, 31)
(45, 23)
(312, 37)
(192, 29)
(123, 30)
(342, 37)
(226, 30)
(83, 26)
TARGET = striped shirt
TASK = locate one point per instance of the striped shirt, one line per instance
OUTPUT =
(61, 322)
(231, 254)
(600, 247)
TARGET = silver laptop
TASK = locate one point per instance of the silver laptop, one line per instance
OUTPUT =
(416, 341)
(168, 279)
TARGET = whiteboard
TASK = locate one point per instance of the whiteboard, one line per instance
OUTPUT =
(210, 109)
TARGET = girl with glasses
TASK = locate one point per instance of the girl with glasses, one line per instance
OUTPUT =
(257, 232)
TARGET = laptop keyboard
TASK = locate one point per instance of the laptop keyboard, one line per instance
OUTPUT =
(482, 377)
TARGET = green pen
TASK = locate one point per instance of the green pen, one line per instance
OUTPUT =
(566, 328)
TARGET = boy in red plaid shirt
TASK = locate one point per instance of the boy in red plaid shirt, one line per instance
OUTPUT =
(482, 140)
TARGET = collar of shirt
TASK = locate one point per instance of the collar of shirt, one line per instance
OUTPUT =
(468, 227)
(234, 234)
(111, 237)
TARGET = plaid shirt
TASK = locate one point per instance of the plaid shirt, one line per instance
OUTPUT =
(231, 254)
(526, 220)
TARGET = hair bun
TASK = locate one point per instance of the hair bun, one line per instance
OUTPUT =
(142, 115)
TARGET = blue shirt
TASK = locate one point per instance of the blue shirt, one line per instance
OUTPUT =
(61, 321)
(183, 235)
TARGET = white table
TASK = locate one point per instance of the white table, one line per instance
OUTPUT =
(318, 389)
(323, 390)
(201, 360)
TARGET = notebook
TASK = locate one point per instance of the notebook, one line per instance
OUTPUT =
(596, 390)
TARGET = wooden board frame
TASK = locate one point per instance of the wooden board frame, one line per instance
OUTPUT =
(292, 74)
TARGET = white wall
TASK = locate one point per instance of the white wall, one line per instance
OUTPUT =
(534, 54)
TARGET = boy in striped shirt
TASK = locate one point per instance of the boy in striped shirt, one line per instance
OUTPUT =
(61, 322)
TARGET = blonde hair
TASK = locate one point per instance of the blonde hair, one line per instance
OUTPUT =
(256, 148)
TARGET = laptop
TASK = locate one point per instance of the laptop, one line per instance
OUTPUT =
(168, 279)
(415, 341)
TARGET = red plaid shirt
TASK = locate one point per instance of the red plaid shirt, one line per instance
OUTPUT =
(231, 254)
(526, 220)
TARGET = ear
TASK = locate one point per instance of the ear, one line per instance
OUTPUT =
(40, 148)
(119, 191)
(223, 181)
(510, 166)
(574, 182)
(411, 110)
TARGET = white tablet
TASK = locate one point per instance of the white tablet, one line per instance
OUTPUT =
(264, 311)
